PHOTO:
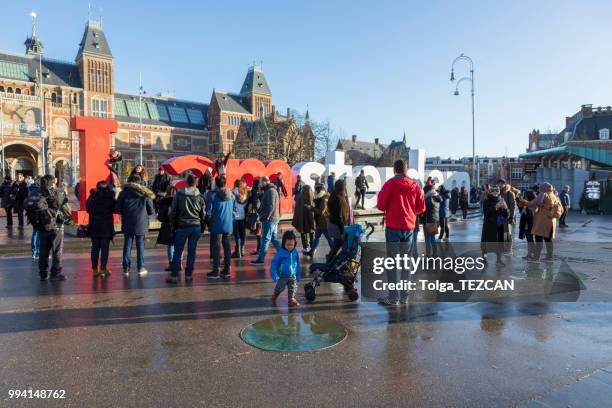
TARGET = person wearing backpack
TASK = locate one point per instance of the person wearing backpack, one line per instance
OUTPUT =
(100, 207)
(135, 204)
(46, 213)
(8, 199)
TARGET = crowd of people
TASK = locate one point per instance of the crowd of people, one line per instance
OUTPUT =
(207, 203)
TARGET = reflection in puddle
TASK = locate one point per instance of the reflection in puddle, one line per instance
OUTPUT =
(294, 332)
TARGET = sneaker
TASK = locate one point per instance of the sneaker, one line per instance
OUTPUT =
(254, 252)
(43, 278)
(126, 270)
(306, 251)
(274, 298)
(188, 279)
(172, 279)
(142, 272)
(236, 255)
(225, 274)
(212, 275)
(105, 271)
(293, 302)
(445, 239)
(385, 301)
(168, 268)
(257, 262)
(57, 277)
(97, 272)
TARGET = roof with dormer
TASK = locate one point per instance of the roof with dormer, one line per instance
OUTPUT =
(255, 82)
(94, 41)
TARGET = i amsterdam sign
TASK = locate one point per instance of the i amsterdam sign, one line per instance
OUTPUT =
(94, 145)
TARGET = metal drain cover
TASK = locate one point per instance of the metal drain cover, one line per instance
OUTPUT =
(294, 332)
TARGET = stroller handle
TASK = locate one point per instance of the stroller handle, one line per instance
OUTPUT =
(370, 227)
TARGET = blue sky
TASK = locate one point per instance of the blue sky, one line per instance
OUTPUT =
(371, 68)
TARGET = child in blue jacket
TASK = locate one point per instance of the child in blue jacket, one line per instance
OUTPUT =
(285, 269)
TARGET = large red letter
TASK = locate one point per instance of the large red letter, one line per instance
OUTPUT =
(251, 169)
(94, 146)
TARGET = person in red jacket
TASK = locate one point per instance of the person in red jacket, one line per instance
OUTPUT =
(401, 199)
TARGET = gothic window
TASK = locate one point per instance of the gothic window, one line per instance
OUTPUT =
(230, 134)
(18, 91)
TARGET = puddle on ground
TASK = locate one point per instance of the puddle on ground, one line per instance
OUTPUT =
(294, 332)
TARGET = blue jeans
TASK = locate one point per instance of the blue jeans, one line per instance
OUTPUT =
(127, 251)
(35, 242)
(398, 242)
(317, 238)
(191, 235)
(170, 253)
(99, 251)
(269, 231)
(430, 245)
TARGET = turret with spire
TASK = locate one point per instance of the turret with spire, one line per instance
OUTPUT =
(32, 43)
(256, 92)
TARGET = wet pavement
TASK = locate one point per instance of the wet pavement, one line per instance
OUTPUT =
(141, 342)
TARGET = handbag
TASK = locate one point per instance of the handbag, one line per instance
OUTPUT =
(431, 228)
(83, 231)
(252, 220)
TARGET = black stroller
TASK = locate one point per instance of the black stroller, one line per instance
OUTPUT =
(342, 268)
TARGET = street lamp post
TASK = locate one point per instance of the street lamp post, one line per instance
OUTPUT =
(475, 175)
(140, 141)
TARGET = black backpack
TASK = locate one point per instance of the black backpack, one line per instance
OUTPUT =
(40, 216)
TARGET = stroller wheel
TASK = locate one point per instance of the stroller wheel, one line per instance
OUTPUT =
(309, 292)
(353, 295)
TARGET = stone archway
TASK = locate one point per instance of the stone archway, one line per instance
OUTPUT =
(62, 170)
(21, 158)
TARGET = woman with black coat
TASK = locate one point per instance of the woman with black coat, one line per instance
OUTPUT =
(253, 204)
(463, 202)
(495, 219)
(100, 207)
(454, 201)
(166, 231)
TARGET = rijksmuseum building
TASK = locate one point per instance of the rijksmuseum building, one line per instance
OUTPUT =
(35, 128)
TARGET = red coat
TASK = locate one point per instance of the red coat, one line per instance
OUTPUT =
(401, 199)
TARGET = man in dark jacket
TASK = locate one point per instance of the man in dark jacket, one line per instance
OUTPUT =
(20, 190)
(160, 185)
(8, 199)
(220, 208)
(297, 189)
(135, 206)
(361, 187)
(52, 231)
(280, 185)
(565, 199)
(269, 216)
(187, 214)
